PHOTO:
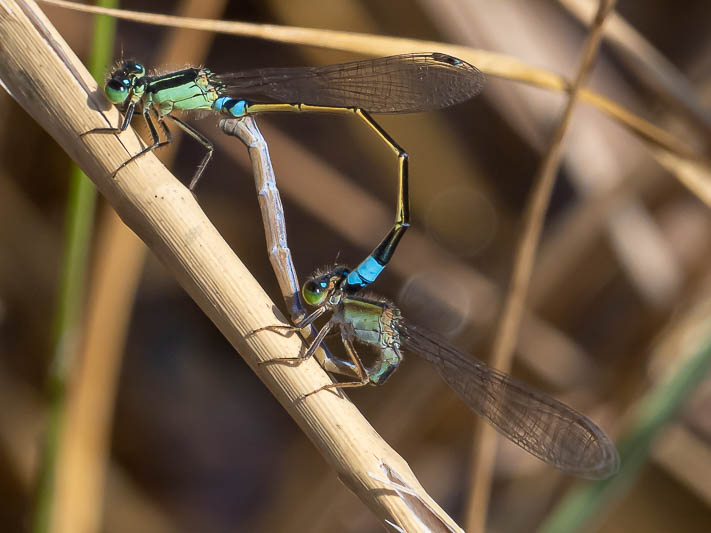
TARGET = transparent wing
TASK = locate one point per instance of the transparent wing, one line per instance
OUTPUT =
(398, 84)
(539, 424)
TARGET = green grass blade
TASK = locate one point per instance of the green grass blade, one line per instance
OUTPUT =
(67, 332)
(657, 408)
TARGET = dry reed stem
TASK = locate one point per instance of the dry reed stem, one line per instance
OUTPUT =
(699, 182)
(353, 204)
(21, 428)
(485, 437)
(85, 437)
(36, 62)
(119, 260)
(360, 216)
(379, 45)
(687, 456)
(697, 173)
(647, 63)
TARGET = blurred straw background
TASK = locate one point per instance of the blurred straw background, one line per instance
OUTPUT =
(617, 318)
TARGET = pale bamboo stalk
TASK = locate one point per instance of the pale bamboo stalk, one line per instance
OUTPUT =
(48, 81)
(514, 305)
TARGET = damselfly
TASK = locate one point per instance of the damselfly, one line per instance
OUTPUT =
(407, 83)
(541, 425)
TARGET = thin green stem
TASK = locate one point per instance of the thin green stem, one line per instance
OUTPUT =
(654, 411)
(66, 337)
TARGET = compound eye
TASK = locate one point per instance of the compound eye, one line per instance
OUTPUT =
(116, 90)
(315, 291)
(134, 69)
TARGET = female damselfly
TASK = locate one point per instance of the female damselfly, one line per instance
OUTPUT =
(541, 425)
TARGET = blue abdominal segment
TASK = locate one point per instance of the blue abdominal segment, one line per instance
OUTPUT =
(231, 106)
(365, 273)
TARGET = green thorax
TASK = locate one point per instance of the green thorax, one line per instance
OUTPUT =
(189, 89)
(376, 323)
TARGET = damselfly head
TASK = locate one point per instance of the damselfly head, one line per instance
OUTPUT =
(130, 69)
(124, 80)
(322, 285)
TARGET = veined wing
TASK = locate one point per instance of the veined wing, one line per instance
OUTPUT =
(541, 425)
(406, 83)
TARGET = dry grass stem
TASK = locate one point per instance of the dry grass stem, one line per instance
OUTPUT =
(513, 309)
(35, 63)
(491, 63)
(117, 270)
(647, 63)
(378, 45)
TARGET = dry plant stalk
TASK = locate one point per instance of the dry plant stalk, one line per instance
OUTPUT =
(514, 305)
(660, 141)
(84, 448)
(35, 63)
(85, 437)
(490, 63)
(647, 63)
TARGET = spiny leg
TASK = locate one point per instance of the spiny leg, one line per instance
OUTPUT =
(199, 137)
(157, 143)
(307, 321)
(362, 372)
(310, 350)
(373, 265)
(124, 125)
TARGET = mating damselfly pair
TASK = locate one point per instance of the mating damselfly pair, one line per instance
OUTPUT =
(401, 84)
(407, 83)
